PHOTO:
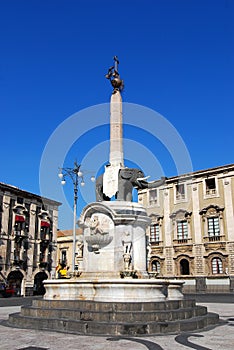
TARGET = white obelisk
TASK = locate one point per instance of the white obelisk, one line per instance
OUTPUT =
(116, 159)
(116, 130)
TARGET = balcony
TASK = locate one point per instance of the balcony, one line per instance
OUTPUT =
(183, 244)
(214, 242)
(20, 236)
(153, 201)
(156, 247)
(180, 196)
(211, 191)
(17, 262)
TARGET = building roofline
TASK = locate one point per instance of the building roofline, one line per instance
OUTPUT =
(198, 173)
(24, 193)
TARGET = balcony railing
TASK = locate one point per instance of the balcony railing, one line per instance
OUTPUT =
(210, 191)
(180, 196)
(217, 238)
(182, 240)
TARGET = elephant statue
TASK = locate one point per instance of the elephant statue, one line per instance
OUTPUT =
(128, 178)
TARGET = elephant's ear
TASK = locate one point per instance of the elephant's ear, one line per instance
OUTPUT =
(126, 174)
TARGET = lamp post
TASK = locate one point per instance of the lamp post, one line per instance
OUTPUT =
(76, 176)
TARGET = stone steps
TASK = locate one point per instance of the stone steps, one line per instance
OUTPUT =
(113, 328)
(99, 318)
(112, 316)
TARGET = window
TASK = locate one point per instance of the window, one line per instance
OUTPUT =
(154, 233)
(217, 266)
(63, 257)
(20, 200)
(213, 223)
(210, 186)
(19, 223)
(213, 227)
(182, 229)
(153, 199)
(155, 266)
(180, 191)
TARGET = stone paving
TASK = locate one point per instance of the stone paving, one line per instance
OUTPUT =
(220, 337)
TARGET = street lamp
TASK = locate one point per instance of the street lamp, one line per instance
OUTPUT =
(76, 176)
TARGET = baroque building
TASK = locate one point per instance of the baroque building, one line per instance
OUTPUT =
(191, 235)
(28, 239)
(64, 251)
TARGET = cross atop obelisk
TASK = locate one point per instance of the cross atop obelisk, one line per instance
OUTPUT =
(116, 159)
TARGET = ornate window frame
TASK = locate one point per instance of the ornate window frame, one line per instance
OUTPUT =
(156, 220)
(209, 259)
(179, 216)
(212, 211)
(178, 260)
(158, 261)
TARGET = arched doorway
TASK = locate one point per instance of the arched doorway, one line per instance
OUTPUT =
(184, 267)
(14, 280)
(38, 288)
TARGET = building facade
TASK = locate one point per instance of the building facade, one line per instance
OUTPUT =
(191, 235)
(28, 239)
(64, 252)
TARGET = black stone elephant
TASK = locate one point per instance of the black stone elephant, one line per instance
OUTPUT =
(128, 178)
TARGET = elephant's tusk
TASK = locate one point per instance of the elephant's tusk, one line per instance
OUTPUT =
(143, 178)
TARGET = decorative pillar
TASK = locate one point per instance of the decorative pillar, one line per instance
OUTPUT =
(30, 252)
(228, 203)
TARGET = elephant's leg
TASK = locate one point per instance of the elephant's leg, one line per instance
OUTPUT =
(99, 189)
(100, 196)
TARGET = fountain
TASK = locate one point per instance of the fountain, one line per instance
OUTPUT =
(113, 294)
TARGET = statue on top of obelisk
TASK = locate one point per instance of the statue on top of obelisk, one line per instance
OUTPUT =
(114, 77)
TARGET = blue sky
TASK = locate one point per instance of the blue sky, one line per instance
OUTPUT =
(176, 58)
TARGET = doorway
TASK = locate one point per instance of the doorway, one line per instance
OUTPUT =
(184, 267)
(14, 280)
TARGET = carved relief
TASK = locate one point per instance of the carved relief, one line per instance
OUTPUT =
(157, 250)
(183, 248)
(211, 211)
(181, 214)
(99, 229)
(215, 246)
